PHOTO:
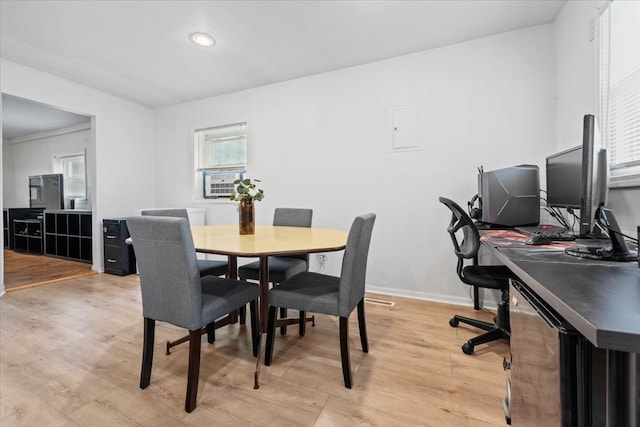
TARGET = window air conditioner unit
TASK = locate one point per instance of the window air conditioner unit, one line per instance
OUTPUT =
(219, 183)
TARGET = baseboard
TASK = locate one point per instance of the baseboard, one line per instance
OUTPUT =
(432, 297)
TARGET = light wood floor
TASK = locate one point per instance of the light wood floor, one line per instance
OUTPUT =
(25, 271)
(70, 355)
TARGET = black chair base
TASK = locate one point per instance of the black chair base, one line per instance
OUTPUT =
(495, 331)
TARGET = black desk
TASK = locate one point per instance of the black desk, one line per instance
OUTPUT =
(600, 299)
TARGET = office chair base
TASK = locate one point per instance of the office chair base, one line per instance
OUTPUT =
(467, 348)
(493, 332)
(485, 326)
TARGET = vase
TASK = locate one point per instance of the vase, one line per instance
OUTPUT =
(247, 223)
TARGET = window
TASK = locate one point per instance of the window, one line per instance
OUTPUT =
(72, 167)
(220, 157)
(620, 89)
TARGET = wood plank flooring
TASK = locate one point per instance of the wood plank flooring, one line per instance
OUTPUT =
(25, 271)
(70, 355)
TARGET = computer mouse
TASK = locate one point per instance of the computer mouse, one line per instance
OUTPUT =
(538, 239)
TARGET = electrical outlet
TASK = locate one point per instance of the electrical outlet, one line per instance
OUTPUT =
(321, 259)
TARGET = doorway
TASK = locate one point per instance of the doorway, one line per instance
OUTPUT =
(32, 133)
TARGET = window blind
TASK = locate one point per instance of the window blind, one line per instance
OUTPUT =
(73, 168)
(620, 82)
(221, 147)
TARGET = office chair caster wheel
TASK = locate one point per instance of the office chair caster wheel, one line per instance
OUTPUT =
(453, 322)
(467, 348)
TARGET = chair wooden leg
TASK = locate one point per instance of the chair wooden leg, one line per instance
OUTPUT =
(303, 323)
(344, 351)
(271, 331)
(194, 370)
(283, 315)
(255, 327)
(147, 352)
(242, 314)
(211, 332)
(362, 323)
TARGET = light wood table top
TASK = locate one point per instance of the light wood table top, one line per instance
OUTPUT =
(267, 240)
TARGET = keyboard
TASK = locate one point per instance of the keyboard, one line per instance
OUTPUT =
(554, 233)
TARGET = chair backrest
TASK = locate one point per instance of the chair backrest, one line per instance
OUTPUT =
(178, 213)
(468, 247)
(293, 217)
(168, 267)
(354, 263)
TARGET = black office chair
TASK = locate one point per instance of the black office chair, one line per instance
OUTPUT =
(484, 276)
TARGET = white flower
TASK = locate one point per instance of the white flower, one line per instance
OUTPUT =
(245, 189)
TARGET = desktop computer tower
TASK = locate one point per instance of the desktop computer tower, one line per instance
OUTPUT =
(510, 196)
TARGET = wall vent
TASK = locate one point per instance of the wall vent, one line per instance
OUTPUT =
(379, 302)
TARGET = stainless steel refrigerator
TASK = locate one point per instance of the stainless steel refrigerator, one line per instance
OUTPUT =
(46, 191)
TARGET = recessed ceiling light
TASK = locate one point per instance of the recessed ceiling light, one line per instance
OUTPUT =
(202, 39)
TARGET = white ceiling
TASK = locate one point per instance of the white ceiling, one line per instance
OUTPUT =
(22, 117)
(139, 50)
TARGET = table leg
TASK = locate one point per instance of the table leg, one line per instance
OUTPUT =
(264, 291)
(233, 266)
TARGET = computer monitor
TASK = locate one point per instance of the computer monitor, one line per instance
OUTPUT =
(595, 176)
(578, 178)
(511, 196)
(564, 178)
(618, 251)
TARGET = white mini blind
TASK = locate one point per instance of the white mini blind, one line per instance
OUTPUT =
(72, 167)
(620, 82)
(221, 147)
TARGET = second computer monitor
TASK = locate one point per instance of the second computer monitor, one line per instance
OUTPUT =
(564, 177)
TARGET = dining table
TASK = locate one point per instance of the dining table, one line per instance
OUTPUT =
(267, 241)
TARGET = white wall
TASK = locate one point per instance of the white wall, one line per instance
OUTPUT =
(324, 142)
(120, 156)
(32, 155)
(577, 89)
(7, 174)
(575, 71)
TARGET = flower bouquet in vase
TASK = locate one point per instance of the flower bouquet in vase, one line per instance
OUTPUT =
(246, 193)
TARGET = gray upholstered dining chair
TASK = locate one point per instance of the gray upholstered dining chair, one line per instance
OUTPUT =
(283, 267)
(207, 267)
(174, 292)
(337, 296)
